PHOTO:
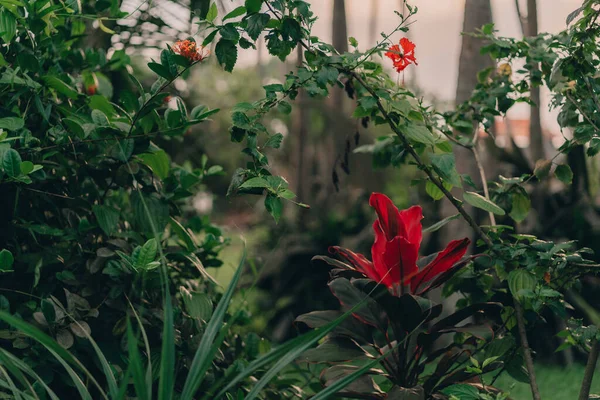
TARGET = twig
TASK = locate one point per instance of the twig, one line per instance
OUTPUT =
(455, 202)
(483, 181)
(535, 391)
(568, 96)
(590, 368)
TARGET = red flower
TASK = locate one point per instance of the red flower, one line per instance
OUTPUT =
(167, 99)
(91, 90)
(190, 50)
(398, 236)
(402, 55)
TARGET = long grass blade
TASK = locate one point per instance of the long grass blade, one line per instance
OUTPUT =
(63, 356)
(206, 350)
(135, 364)
(148, 352)
(28, 370)
(166, 381)
(16, 372)
(11, 385)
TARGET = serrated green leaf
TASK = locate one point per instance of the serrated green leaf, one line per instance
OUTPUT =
(256, 24)
(477, 200)
(256, 182)
(445, 166)
(274, 141)
(274, 206)
(226, 52)
(419, 134)
(253, 6)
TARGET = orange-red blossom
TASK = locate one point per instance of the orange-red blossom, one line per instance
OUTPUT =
(190, 50)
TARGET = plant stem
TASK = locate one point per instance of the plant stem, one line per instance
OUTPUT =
(535, 391)
(486, 191)
(590, 368)
(436, 181)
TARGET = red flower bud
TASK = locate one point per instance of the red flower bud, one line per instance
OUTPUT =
(91, 90)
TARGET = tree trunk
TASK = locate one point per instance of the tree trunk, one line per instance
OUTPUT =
(535, 124)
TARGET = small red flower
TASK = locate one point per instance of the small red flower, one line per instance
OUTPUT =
(402, 55)
(398, 236)
(91, 90)
(190, 50)
(167, 99)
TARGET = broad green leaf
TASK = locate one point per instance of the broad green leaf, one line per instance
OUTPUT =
(27, 167)
(160, 70)
(542, 168)
(274, 206)
(241, 10)
(477, 200)
(433, 191)
(256, 182)
(226, 52)
(107, 218)
(158, 162)
(6, 260)
(147, 254)
(253, 6)
(520, 207)
(213, 12)
(564, 174)
(11, 123)
(520, 279)
(60, 86)
(11, 163)
(198, 305)
(8, 26)
(441, 223)
(256, 24)
(445, 166)
(100, 118)
(462, 391)
(274, 141)
(419, 134)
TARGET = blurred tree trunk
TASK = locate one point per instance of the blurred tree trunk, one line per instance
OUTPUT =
(373, 22)
(529, 27)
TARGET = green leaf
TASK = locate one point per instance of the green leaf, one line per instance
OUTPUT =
(209, 38)
(241, 10)
(11, 123)
(60, 86)
(26, 167)
(226, 52)
(256, 182)
(6, 260)
(210, 343)
(166, 380)
(107, 217)
(8, 25)
(11, 163)
(160, 70)
(477, 200)
(230, 32)
(213, 12)
(542, 168)
(48, 310)
(147, 254)
(198, 305)
(419, 134)
(441, 223)
(445, 166)
(158, 162)
(274, 141)
(520, 207)
(462, 391)
(99, 102)
(520, 279)
(433, 191)
(253, 6)
(256, 24)
(182, 232)
(100, 118)
(274, 206)
(284, 107)
(564, 174)
(135, 364)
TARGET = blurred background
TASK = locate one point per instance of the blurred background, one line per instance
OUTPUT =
(331, 161)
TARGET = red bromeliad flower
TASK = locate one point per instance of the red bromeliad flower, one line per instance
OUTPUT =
(398, 236)
(190, 50)
(402, 55)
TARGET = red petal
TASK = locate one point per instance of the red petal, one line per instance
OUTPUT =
(411, 219)
(389, 216)
(395, 261)
(407, 45)
(358, 261)
(455, 250)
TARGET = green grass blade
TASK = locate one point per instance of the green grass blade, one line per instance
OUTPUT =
(166, 381)
(204, 355)
(62, 355)
(148, 352)
(16, 372)
(29, 371)
(135, 364)
(11, 385)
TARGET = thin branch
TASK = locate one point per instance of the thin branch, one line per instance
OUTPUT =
(568, 96)
(590, 368)
(436, 181)
(483, 180)
(535, 391)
